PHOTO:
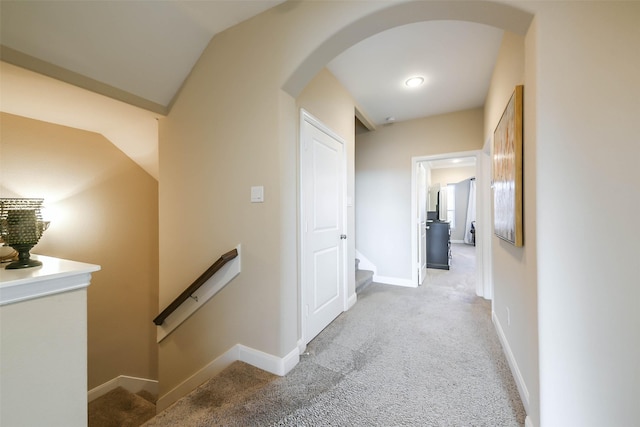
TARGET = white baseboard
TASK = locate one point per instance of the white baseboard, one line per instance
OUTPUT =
(528, 422)
(259, 359)
(302, 346)
(515, 370)
(395, 281)
(210, 370)
(267, 362)
(365, 264)
(132, 384)
(351, 301)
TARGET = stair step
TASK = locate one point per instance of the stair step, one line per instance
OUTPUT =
(120, 407)
(222, 395)
(363, 278)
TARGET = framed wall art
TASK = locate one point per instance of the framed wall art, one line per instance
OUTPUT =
(507, 172)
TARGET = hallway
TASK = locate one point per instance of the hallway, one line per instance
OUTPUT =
(426, 356)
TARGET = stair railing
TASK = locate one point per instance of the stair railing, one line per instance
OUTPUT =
(188, 293)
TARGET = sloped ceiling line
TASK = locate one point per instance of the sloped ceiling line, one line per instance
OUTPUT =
(34, 64)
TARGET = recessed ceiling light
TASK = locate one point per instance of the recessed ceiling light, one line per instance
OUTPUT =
(414, 81)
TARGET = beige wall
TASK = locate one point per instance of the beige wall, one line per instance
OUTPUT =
(104, 211)
(507, 73)
(254, 297)
(587, 109)
(232, 127)
(514, 268)
(446, 176)
(383, 182)
(221, 138)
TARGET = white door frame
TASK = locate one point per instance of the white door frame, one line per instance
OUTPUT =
(305, 116)
(420, 219)
(484, 236)
(484, 285)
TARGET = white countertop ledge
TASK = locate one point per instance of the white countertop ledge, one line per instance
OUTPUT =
(54, 276)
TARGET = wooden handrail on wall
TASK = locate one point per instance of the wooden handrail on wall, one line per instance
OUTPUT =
(195, 285)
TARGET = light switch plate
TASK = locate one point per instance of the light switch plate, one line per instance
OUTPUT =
(257, 194)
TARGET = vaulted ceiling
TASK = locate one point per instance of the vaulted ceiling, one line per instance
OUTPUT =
(138, 54)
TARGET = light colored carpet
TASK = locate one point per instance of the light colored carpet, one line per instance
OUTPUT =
(427, 356)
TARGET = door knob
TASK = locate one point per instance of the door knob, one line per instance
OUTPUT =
(343, 236)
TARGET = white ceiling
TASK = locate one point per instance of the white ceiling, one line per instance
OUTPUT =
(147, 48)
(454, 162)
(456, 59)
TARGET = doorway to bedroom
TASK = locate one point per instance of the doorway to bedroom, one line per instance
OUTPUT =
(448, 218)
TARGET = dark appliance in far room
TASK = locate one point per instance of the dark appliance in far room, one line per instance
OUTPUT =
(438, 244)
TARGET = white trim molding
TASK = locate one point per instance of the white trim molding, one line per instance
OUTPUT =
(366, 264)
(395, 281)
(210, 370)
(515, 370)
(207, 291)
(55, 276)
(267, 362)
(131, 384)
(276, 365)
(302, 346)
(351, 301)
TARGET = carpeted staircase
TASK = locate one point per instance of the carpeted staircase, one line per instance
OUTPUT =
(121, 408)
(363, 277)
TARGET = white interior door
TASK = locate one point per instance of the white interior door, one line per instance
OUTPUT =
(323, 178)
(422, 222)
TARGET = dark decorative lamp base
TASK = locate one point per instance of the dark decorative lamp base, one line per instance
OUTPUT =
(24, 258)
(21, 226)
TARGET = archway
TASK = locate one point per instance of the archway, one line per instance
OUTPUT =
(482, 12)
(493, 14)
